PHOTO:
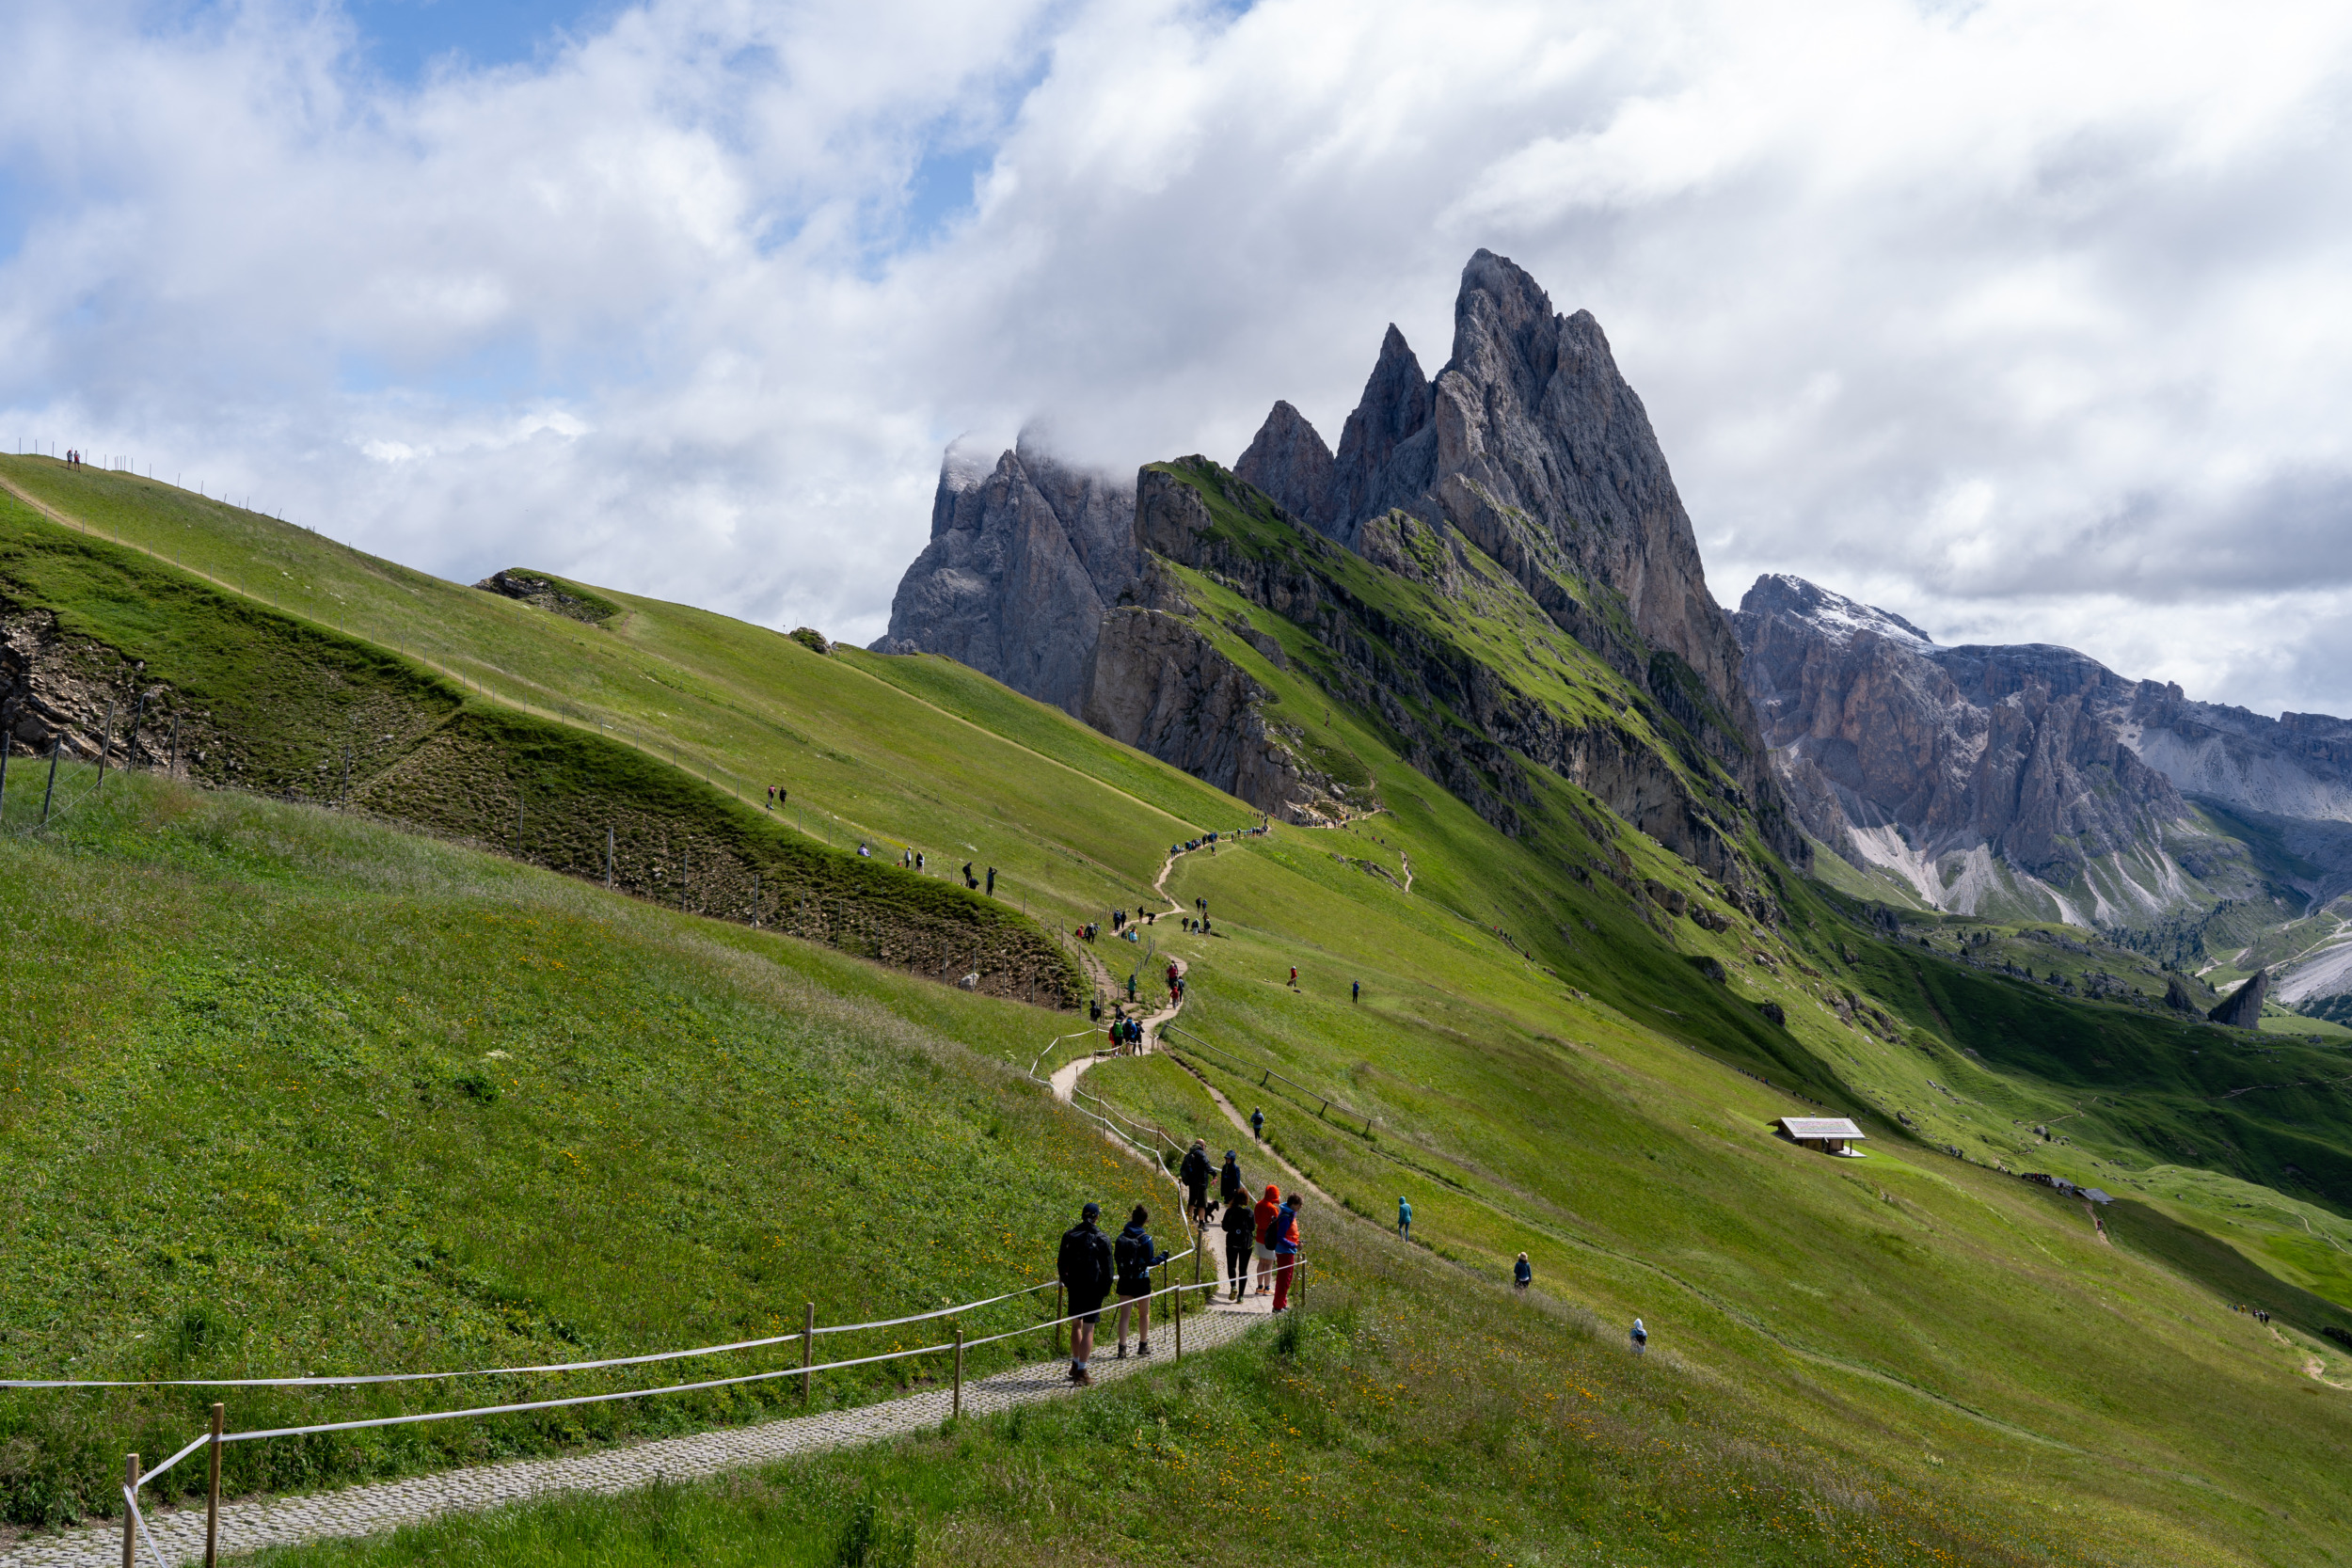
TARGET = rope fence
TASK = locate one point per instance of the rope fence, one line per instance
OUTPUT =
(134, 1529)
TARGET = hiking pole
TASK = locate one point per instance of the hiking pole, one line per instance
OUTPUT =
(56, 743)
(212, 1497)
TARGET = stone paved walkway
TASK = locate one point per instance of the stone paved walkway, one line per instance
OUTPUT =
(370, 1510)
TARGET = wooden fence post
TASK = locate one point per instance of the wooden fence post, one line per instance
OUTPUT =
(959, 1404)
(105, 745)
(129, 1525)
(608, 858)
(1058, 1315)
(211, 1495)
(172, 763)
(808, 1347)
(1178, 1299)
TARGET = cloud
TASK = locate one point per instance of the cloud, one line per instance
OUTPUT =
(2024, 318)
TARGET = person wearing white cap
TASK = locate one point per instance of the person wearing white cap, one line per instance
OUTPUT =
(1640, 1337)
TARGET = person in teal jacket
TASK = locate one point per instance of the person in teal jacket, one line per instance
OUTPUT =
(1404, 1220)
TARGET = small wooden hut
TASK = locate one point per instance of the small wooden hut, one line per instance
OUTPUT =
(1830, 1134)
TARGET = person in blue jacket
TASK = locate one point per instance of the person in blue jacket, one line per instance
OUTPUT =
(1522, 1274)
(1136, 1256)
(1404, 1220)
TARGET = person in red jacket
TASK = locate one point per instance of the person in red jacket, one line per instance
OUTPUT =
(1262, 1216)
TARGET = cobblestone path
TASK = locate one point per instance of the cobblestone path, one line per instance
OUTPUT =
(369, 1510)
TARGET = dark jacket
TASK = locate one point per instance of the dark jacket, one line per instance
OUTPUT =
(1137, 1258)
(1230, 1186)
(1085, 1265)
(1195, 1170)
(1241, 1226)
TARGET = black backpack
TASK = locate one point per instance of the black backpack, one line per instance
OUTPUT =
(1083, 1264)
(1135, 1257)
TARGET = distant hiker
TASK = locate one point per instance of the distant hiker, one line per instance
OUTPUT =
(1086, 1273)
(1261, 1215)
(1240, 1235)
(992, 881)
(782, 795)
(1094, 1009)
(1131, 986)
(1522, 1274)
(1282, 1236)
(1195, 1175)
(1640, 1337)
(918, 860)
(1257, 1124)
(1137, 1260)
(1404, 1220)
(1355, 990)
(1293, 976)
(772, 797)
(863, 852)
(1231, 1189)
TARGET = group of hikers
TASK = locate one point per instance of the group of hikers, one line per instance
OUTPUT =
(1094, 1267)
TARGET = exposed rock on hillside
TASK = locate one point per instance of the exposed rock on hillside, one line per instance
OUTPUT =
(2243, 1008)
(551, 595)
(1022, 560)
(1531, 444)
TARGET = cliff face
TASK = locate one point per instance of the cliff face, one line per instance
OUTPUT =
(1022, 560)
(1979, 773)
(1532, 445)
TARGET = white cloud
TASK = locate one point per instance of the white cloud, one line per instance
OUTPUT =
(2027, 320)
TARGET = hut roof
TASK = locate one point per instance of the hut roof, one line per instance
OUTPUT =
(1809, 1128)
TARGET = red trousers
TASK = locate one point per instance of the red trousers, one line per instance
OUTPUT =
(1282, 1262)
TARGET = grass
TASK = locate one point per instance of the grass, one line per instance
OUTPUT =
(345, 1099)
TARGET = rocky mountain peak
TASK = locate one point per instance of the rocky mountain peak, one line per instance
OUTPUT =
(1289, 461)
(1024, 553)
(1834, 616)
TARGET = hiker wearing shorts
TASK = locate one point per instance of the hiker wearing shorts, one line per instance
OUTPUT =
(1195, 1175)
(1283, 1238)
(1085, 1268)
(1136, 1258)
(1522, 1274)
(1261, 1217)
(1241, 1227)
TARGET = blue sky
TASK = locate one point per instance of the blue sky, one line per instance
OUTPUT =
(405, 38)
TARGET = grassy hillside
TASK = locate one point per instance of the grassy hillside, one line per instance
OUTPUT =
(1908, 1355)
(286, 1091)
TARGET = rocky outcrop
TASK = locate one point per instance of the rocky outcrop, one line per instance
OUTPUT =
(1289, 461)
(551, 594)
(1532, 445)
(2243, 1007)
(2011, 749)
(1160, 686)
(1023, 559)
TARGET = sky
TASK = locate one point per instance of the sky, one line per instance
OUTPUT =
(2031, 322)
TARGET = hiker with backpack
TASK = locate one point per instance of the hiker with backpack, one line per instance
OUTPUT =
(1086, 1271)
(1241, 1232)
(1137, 1258)
(1195, 1175)
(1640, 1337)
(1282, 1236)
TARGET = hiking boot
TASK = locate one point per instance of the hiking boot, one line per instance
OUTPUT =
(1122, 1352)
(1085, 1379)
(1143, 1347)
(1077, 1372)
